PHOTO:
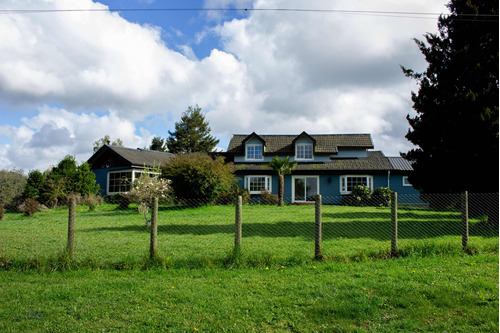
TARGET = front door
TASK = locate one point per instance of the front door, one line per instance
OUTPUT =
(305, 188)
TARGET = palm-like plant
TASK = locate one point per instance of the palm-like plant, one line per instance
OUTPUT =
(282, 166)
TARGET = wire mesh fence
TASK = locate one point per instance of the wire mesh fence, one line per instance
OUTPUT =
(193, 233)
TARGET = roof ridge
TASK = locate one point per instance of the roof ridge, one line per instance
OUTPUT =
(139, 149)
(321, 134)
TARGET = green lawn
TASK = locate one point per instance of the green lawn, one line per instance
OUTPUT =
(275, 285)
(457, 293)
(204, 236)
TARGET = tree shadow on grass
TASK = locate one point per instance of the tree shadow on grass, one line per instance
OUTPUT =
(288, 229)
(386, 216)
(133, 210)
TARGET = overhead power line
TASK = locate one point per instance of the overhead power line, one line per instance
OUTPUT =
(338, 11)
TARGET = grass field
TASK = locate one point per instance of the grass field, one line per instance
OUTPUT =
(204, 236)
(275, 285)
(457, 293)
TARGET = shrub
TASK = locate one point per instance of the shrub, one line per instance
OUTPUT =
(30, 207)
(12, 185)
(199, 177)
(360, 196)
(2, 213)
(93, 201)
(230, 196)
(121, 199)
(267, 198)
(381, 197)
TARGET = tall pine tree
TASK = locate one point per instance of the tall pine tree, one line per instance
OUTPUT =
(456, 127)
(192, 134)
(158, 144)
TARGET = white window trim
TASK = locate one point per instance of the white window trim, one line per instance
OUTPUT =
(406, 182)
(133, 171)
(293, 186)
(304, 144)
(268, 183)
(253, 145)
(343, 182)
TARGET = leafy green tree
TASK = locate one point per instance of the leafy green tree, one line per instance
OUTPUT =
(11, 187)
(64, 179)
(455, 130)
(282, 167)
(85, 180)
(66, 173)
(34, 185)
(198, 178)
(192, 134)
(158, 144)
(107, 140)
(54, 191)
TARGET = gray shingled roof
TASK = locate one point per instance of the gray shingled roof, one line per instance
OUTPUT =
(142, 157)
(325, 143)
(399, 163)
(374, 161)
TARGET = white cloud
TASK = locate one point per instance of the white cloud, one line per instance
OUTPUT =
(277, 72)
(86, 59)
(53, 133)
(331, 72)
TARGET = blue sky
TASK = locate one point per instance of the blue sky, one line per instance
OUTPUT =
(180, 27)
(68, 78)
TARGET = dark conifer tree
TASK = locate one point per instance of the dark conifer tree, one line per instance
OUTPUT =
(455, 130)
(158, 144)
(192, 134)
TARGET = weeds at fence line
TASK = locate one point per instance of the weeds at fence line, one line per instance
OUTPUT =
(250, 235)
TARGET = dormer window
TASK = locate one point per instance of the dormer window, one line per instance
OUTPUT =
(254, 152)
(304, 151)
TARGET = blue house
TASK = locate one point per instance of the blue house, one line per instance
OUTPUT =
(116, 168)
(328, 164)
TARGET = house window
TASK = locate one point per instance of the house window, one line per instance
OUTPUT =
(348, 182)
(406, 182)
(254, 152)
(256, 184)
(121, 181)
(305, 188)
(304, 151)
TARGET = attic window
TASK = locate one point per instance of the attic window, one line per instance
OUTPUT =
(254, 152)
(304, 151)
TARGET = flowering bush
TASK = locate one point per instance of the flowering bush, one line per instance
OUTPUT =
(145, 189)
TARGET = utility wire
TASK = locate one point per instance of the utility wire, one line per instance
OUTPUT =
(299, 10)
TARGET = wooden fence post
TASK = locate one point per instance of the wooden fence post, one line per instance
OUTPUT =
(318, 232)
(153, 248)
(465, 219)
(237, 222)
(394, 223)
(71, 225)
